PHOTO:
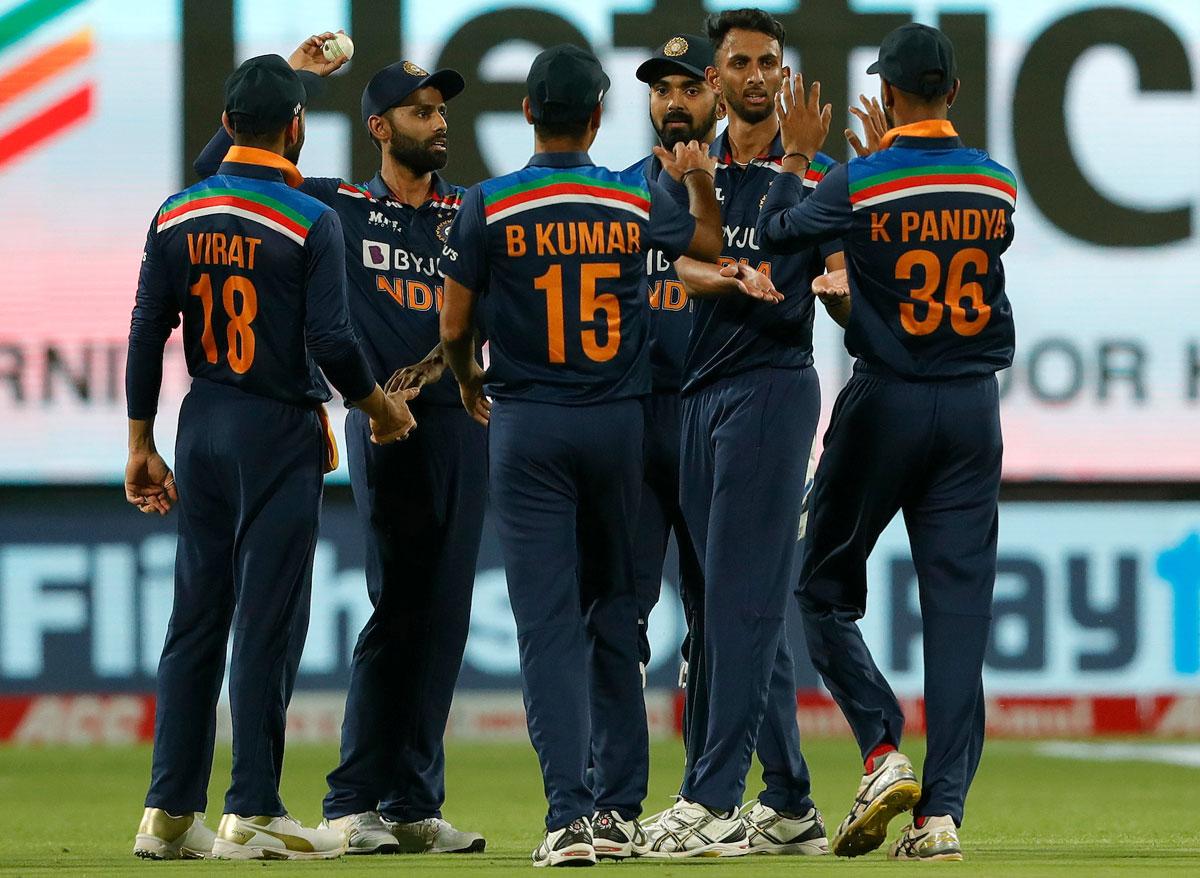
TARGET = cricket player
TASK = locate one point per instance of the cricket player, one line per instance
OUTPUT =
(924, 221)
(684, 107)
(256, 269)
(421, 502)
(751, 400)
(553, 256)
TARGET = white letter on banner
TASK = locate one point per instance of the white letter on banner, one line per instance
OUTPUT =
(28, 611)
(113, 643)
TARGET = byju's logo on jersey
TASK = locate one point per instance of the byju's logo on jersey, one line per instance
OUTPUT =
(377, 255)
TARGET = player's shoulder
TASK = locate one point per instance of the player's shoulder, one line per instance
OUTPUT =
(270, 203)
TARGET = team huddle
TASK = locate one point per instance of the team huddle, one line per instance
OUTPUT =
(649, 372)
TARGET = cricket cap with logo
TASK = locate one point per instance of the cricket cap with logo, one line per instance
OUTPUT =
(393, 84)
(685, 54)
(565, 84)
(918, 59)
(267, 90)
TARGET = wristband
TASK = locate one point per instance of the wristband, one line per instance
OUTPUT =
(807, 160)
(683, 176)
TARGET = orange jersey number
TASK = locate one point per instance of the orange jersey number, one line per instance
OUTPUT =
(591, 305)
(955, 292)
(239, 337)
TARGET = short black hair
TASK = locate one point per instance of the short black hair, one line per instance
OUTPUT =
(250, 128)
(574, 129)
(931, 94)
(718, 25)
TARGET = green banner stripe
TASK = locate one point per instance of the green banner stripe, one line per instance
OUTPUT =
(554, 179)
(931, 170)
(245, 195)
(18, 22)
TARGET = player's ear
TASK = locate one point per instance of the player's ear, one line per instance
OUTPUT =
(953, 95)
(225, 124)
(379, 128)
(887, 94)
(528, 112)
(594, 121)
(714, 79)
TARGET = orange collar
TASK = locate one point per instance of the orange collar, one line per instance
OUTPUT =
(250, 155)
(928, 128)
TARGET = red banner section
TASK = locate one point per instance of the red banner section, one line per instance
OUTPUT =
(317, 717)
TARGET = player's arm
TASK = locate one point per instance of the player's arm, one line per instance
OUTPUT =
(705, 280)
(149, 484)
(833, 290)
(696, 232)
(464, 266)
(330, 336)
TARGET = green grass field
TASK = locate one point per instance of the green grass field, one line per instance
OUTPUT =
(76, 811)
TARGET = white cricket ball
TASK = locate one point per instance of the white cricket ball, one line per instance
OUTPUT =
(337, 47)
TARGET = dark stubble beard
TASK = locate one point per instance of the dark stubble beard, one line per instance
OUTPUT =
(416, 155)
(753, 116)
(668, 137)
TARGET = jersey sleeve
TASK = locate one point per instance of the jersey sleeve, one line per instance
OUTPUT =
(464, 258)
(155, 316)
(328, 332)
(672, 226)
(795, 217)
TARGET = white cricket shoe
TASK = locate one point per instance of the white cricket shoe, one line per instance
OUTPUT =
(162, 836)
(615, 838)
(890, 789)
(365, 833)
(433, 835)
(691, 830)
(569, 846)
(770, 832)
(936, 840)
(275, 838)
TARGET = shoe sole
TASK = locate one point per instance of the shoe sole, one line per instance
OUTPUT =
(384, 848)
(575, 855)
(803, 848)
(949, 857)
(225, 850)
(149, 847)
(475, 847)
(869, 831)
(717, 849)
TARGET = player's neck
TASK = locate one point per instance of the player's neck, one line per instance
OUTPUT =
(407, 187)
(560, 144)
(748, 140)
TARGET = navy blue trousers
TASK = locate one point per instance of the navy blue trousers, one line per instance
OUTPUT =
(565, 485)
(932, 451)
(248, 471)
(421, 505)
(659, 516)
(746, 441)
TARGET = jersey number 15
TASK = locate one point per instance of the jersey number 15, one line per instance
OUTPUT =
(591, 304)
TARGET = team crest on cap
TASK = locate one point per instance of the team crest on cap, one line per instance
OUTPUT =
(675, 47)
(413, 70)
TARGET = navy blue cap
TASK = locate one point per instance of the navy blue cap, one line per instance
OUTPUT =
(266, 89)
(918, 59)
(390, 86)
(565, 84)
(683, 53)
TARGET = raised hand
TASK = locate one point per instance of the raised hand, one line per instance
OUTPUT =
(686, 157)
(308, 55)
(751, 282)
(875, 125)
(832, 287)
(803, 122)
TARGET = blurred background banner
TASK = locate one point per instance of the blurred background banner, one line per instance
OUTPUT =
(104, 103)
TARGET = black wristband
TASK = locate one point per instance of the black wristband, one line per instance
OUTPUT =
(802, 155)
(683, 176)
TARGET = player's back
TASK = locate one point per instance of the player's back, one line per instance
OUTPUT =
(931, 220)
(565, 301)
(234, 249)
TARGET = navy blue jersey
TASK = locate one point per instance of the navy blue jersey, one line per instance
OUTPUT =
(670, 309)
(392, 266)
(557, 254)
(924, 223)
(257, 271)
(732, 334)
